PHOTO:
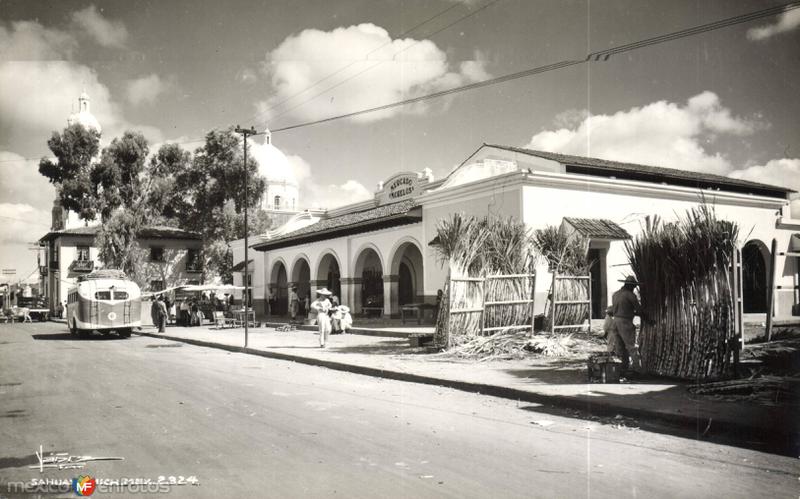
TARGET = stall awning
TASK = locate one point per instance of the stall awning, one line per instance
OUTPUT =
(597, 228)
(239, 267)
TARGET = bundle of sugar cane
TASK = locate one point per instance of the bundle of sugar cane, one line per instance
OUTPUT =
(686, 291)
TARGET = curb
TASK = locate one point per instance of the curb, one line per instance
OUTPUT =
(356, 330)
(743, 432)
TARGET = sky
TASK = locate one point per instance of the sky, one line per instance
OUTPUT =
(723, 102)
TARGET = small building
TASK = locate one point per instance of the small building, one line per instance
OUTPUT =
(376, 255)
(170, 257)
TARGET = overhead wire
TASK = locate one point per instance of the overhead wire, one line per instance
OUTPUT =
(593, 56)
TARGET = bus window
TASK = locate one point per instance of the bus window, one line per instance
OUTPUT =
(103, 295)
(120, 295)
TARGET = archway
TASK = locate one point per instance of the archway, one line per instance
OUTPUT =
(369, 269)
(301, 277)
(329, 275)
(407, 266)
(754, 277)
(278, 284)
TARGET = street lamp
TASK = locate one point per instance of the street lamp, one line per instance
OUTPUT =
(246, 133)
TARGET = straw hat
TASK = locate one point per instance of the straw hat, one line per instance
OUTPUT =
(324, 292)
(630, 280)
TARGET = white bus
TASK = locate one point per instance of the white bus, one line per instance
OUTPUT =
(104, 301)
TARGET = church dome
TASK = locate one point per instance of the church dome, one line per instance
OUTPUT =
(273, 165)
(84, 115)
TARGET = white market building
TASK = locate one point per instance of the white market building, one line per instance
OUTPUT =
(377, 254)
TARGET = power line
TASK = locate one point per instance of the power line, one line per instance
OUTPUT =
(594, 56)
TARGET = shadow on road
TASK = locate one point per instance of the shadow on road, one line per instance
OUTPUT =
(69, 337)
(18, 462)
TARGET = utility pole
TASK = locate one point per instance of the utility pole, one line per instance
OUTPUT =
(246, 133)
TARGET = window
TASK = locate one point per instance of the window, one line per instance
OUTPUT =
(120, 295)
(277, 203)
(157, 285)
(83, 254)
(103, 295)
(193, 260)
(156, 254)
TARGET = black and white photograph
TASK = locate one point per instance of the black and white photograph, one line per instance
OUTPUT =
(400, 248)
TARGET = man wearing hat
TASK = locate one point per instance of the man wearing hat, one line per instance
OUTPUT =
(622, 337)
(322, 306)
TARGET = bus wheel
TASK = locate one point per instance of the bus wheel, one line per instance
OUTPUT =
(124, 333)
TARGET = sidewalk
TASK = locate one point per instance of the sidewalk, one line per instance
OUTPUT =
(555, 382)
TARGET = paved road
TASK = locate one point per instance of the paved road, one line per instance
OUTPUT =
(252, 427)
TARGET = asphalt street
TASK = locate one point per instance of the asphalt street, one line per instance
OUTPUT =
(248, 426)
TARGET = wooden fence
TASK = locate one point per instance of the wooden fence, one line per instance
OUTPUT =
(482, 306)
(568, 306)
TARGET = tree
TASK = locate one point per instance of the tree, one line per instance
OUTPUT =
(75, 149)
(168, 172)
(122, 195)
(117, 177)
(206, 194)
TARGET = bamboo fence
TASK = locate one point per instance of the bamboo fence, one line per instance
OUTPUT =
(484, 306)
(569, 307)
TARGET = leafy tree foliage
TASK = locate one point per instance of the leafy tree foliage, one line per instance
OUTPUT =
(74, 149)
(117, 178)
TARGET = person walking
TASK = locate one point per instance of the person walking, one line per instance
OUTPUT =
(154, 311)
(162, 314)
(322, 306)
(622, 336)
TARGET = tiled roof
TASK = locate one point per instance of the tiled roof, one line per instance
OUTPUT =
(636, 171)
(598, 228)
(153, 232)
(348, 221)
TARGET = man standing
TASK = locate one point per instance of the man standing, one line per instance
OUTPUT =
(622, 337)
(322, 306)
(294, 304)
(162, 314)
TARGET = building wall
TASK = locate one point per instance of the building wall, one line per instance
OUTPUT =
(173, 271)
(628, 205)
(539, 199)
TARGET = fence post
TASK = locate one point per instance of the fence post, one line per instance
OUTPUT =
(483, 304)
(533, 301)
(553, 300)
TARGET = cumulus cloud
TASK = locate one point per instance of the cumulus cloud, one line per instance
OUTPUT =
(787, 21)
(146, 89)
(314, 193)
(21, 182)
(365, 67)
(18, 218)
(40, 85)
(785, 172)
(335, 195)
(27, 40)
(106, 33)
(661, 133)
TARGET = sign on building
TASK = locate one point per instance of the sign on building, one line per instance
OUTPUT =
(402, 186)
